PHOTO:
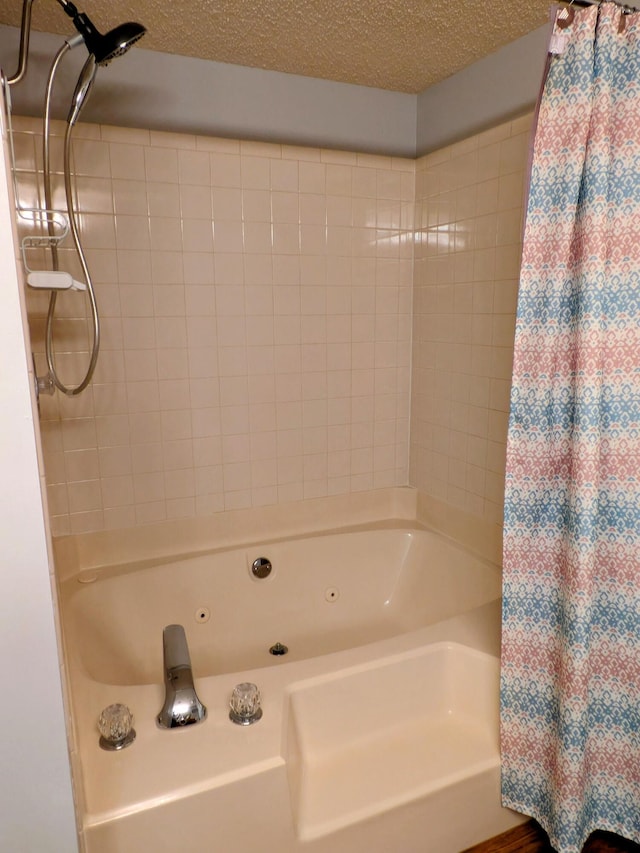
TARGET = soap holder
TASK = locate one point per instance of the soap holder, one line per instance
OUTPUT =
(57, 225)
(53, 280)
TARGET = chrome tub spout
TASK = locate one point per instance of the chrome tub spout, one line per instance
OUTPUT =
(181, 704)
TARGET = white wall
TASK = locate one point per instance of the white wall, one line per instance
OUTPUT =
(36, 805)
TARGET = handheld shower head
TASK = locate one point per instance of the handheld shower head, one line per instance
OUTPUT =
(83, 87)
(107, 46)
(118, 41)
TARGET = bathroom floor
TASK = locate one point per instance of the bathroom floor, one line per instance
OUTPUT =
(530, 838)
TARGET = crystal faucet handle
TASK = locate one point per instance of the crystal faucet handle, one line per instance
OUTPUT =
(115, 725)
(245, 704)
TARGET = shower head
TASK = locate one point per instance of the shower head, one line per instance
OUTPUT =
(83, 87)
(118, 41)
(112, 44)
(107, 46)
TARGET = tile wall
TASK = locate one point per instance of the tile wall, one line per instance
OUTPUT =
(469, 213)
(256, 325)
(256, 307)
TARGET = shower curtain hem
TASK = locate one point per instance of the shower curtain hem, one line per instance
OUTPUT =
(534, 814)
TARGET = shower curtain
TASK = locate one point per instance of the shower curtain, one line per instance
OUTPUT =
(570, 689)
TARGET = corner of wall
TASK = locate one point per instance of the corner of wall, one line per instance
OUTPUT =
(497, 88)
(477, 534)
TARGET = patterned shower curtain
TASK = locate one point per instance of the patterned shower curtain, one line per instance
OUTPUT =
(570, 692)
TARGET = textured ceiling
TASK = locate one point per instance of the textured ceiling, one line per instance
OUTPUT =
(404, 45)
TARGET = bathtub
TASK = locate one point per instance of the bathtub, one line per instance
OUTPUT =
(380, 723)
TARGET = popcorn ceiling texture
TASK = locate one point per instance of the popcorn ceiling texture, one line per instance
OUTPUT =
(402, 45)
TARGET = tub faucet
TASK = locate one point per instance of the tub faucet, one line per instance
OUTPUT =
(181, 704)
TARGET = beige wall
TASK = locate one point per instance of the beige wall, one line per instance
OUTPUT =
(469, 211)
(256, 303)
(256, 323)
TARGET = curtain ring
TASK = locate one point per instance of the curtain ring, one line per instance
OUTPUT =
(566, 16)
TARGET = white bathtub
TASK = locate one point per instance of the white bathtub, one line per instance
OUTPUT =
(380, 726)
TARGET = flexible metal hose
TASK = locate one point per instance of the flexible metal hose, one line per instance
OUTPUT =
(71, 392)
